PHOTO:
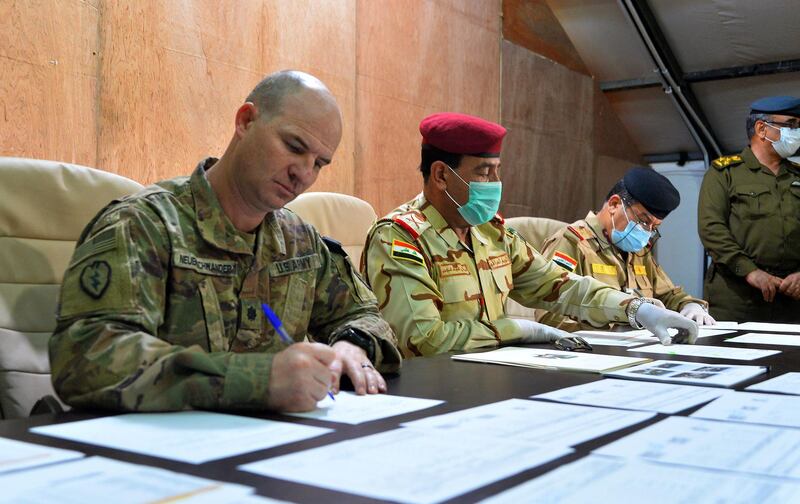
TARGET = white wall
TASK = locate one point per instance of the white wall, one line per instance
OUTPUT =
(679, 250)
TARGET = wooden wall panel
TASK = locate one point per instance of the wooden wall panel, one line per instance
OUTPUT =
(531, 24)
(48, 83)
(428, 56)
(548, 153)
(195, 62)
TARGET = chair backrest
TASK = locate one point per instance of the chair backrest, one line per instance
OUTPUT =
(344, 218)
(44, 206)
(535, 230)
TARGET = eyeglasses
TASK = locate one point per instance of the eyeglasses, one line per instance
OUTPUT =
(789, 124)
(646, 224)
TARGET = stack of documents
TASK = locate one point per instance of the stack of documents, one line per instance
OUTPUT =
(691, 373)
(552, 359)
(188, 436)
(714, 352)
(625, 394)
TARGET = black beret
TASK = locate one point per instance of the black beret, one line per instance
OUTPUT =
(653, 190)
(783, 105)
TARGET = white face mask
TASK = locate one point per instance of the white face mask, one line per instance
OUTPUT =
(789, 142)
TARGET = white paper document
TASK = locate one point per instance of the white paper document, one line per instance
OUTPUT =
(723, 324)
(551, 359)
(767, 339)
(409, 465)
(15, 455)
(769, 327)
(626, 394)
(638, 337)
(758, 449)
(102, 480)
(187, 436)
(691, 373)
(751, 407)
(596, 479)
(533, 421)
(354, 409)
(714, 352)
(787, 383)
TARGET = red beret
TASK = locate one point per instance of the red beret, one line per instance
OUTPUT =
(462, 134)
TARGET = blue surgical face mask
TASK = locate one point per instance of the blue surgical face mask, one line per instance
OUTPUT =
(631, 239)
(483, 202)
(789, 142)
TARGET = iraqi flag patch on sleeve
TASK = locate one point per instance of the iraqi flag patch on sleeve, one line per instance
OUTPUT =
(407, 252)
(565, 261)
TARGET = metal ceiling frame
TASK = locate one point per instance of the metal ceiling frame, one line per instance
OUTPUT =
(671, 77)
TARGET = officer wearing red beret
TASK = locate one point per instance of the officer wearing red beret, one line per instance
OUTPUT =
(443, 264)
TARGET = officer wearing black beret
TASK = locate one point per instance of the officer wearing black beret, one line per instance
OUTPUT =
(749, 220)
(614, 245)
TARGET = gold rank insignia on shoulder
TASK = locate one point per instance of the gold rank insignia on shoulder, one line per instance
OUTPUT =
(725, 161)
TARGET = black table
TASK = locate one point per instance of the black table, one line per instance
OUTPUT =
(461, 384)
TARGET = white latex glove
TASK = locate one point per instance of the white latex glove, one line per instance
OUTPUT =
(658, 320)
(694, 311)
(534, 332)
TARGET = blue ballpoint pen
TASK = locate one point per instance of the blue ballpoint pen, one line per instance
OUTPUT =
(282, 334)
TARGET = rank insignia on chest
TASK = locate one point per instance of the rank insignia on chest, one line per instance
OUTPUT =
(565, 261)
(639, 269)
(604, 269)
(407, 252)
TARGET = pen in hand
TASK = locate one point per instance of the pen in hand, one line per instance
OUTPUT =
(282, 334)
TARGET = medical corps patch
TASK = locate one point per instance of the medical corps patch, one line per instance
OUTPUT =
(407, 252)
(565, 261)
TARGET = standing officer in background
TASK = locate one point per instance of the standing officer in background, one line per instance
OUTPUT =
(160, 307)
(443, 264)
(749, 220)
(615, 246)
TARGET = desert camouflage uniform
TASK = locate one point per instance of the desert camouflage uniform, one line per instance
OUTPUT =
(161, 304)
(582, 248)
(439, 296)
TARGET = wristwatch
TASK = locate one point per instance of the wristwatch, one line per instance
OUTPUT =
(633, 308)
(359, 339)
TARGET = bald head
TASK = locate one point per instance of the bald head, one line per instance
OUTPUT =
(269, 95)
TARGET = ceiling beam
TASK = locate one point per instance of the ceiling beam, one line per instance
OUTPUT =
(675, 86)
(736, 72)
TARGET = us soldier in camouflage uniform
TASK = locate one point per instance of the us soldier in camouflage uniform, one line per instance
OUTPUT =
(442, 270)
(602, 246)
(161, 304)
(748, 220)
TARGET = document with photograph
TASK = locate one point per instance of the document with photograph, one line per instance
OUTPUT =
(409, 465)
(787, 383)
(752, 407)
(691, 373)
(596, 479)
(626, 394)
(757, 449)
(551, 359)
(186, 436)
(713, 352)
(534, 421)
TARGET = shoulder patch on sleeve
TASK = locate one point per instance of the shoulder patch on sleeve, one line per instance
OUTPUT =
(407, 252)
(565, 261)
(726, 161)
(334, 246)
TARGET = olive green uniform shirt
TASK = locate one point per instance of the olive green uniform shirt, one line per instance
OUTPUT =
(439, 296)
(160, 306)
(583, 249)
(749, 218)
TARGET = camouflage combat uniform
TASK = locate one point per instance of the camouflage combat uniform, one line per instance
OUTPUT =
(749, 218)
(439, 296)
(161, 304)
(583, 248)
